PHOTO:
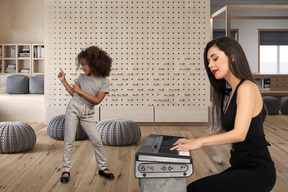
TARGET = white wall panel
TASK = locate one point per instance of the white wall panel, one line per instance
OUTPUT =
(156, 46)
(181, 114)
(138, 114)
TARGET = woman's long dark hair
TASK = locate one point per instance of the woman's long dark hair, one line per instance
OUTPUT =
(239, 67)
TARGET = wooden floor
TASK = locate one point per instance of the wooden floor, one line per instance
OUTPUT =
(39, 169)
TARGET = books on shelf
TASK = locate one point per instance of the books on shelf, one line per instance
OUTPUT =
(39, 51)
(10, 71)
(11, 68)
(21, 58)
(24, 53)
(25, 70)
(13, 52)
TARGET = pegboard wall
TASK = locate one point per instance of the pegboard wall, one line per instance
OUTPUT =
(157, 50)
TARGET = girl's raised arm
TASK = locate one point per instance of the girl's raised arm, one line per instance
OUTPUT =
(61, 77)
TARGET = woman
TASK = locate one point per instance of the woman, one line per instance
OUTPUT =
(252, 168)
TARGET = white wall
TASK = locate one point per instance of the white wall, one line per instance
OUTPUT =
(26, 108)
(157, 50)
(248, 30)
(22, 21)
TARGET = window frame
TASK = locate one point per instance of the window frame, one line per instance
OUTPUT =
(224, 30)
(278, 48)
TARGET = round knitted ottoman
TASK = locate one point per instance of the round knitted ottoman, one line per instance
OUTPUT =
(16, 137)
(271, 104)
(56, 129)
(119, 132)
(284, 105)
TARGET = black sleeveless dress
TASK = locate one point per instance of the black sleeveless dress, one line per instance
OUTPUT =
(252, 168)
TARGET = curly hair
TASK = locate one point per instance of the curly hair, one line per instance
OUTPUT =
(98, 60)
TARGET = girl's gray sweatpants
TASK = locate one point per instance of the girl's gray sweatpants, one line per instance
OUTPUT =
(78, 110)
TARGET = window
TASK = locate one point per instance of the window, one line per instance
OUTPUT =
(273, 52)
(268, 58)
(220, 33)
(283, 59)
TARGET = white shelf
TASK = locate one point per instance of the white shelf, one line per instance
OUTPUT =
(38, 58)
(21, 59)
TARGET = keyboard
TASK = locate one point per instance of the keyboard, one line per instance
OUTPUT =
(166, 144)
(155, 159)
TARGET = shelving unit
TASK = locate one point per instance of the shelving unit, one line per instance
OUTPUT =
(23, 62)
(8, 58)
(38, 58)
(21, 59)
(272, 84)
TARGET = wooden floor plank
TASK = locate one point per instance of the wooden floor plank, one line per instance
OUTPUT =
(89, 177)
(121, 181)
(133, 183)
(40, 169)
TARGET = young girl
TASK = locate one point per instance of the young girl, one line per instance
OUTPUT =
(252, 168)
(89, 90)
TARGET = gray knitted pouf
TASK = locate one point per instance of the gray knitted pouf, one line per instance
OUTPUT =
(17, 84)
(119, 132)
(284, 105)
(16, 137)
(56, 129)
(271, 104)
